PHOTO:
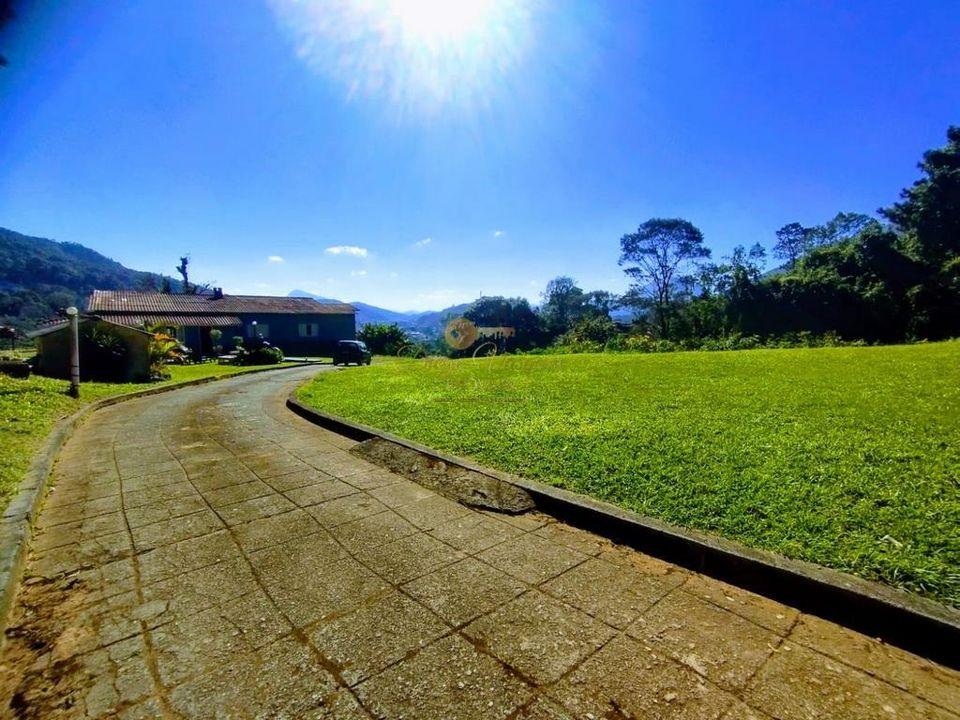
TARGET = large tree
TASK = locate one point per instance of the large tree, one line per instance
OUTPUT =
(793, 241)
(843, 226)
(562, 304)
(661, 258)
(507, 312)
(929, 213)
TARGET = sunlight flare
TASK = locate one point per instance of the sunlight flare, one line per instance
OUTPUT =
(423, 56)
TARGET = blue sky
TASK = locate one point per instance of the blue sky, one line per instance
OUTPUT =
(487, 156)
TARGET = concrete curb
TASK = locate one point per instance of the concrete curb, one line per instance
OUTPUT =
(16, 523)
(914, 623)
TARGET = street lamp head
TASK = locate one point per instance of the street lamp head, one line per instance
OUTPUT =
(71, 311)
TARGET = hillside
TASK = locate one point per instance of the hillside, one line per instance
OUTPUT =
(40, 276)
(427, 322)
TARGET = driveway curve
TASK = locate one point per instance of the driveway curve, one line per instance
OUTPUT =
(207, 554)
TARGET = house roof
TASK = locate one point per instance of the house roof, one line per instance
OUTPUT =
(176, 320)
(57, 325)
(144, 303)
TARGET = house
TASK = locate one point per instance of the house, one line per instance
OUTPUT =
(298, 326)
(111, 351)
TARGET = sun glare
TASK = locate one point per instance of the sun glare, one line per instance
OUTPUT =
(423, 56)
(431, 20)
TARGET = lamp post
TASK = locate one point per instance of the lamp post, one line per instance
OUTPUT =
(74, 351)
(254, 333)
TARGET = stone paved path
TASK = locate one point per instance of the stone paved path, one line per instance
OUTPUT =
(207, 554)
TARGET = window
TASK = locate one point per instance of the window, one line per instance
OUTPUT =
(308, 329)
(261, 329)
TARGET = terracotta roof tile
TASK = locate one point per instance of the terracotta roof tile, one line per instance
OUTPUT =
(127, 301)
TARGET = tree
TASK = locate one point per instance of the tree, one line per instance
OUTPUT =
(793, 240)
(183, 269)
(842, 227)
(599, 302)
(383, 339)
(661, 258)
(6, 15)
(514, 312)
(562, 303)
(187, 287)
(147, 283)
(929, 214)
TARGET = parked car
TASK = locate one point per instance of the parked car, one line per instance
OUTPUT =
(351, 351)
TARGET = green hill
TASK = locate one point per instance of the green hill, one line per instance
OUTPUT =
(39, 276)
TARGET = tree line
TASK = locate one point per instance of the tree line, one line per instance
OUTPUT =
(854, 278)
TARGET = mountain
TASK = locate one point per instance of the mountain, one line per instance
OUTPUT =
(38, 277)
(426, 322)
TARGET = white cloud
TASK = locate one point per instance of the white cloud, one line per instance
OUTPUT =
(347, 250)
(393, 274)
(357, 273)
(423, 243)
(498, 233)
(274, 259)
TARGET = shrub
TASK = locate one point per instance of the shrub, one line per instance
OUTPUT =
(263, 353)
(215, 337)
(383, 339)
(595, 330)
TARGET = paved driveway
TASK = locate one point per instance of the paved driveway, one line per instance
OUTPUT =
(206, 553)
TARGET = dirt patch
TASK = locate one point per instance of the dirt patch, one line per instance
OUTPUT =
(454, 481)
(42, 675)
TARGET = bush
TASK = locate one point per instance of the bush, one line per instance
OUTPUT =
(383, 339)
(260, 353)
(215, 337)
(594, 330)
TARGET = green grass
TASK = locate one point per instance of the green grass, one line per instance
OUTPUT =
(29, 408)
(847, 457)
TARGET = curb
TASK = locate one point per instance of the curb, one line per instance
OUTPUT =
(16, 522)
(897, 617)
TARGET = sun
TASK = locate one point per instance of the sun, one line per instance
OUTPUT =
(443, 20)
(422, 56)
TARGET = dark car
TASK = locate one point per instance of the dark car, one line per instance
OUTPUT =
(351, 351)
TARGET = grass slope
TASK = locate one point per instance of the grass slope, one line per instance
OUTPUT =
(29, 409)
(847, 457)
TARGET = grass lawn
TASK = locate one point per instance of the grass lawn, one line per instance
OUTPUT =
(847, 457)
(29, 408)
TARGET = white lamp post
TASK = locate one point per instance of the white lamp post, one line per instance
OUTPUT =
(74, 351)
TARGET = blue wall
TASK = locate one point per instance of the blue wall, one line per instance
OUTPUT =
(285, 331)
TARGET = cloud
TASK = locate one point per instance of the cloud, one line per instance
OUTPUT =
(498, 233)
(423, 243)
(357, 273)
(347, 250)
(274, 259)
(393, 275)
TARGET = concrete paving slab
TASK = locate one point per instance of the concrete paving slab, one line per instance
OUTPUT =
(198, 587)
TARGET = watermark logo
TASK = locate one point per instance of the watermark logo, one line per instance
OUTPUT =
(461, 334)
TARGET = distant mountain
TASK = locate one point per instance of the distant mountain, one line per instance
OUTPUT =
(38, 277)
(304, 293)
(425, 322)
